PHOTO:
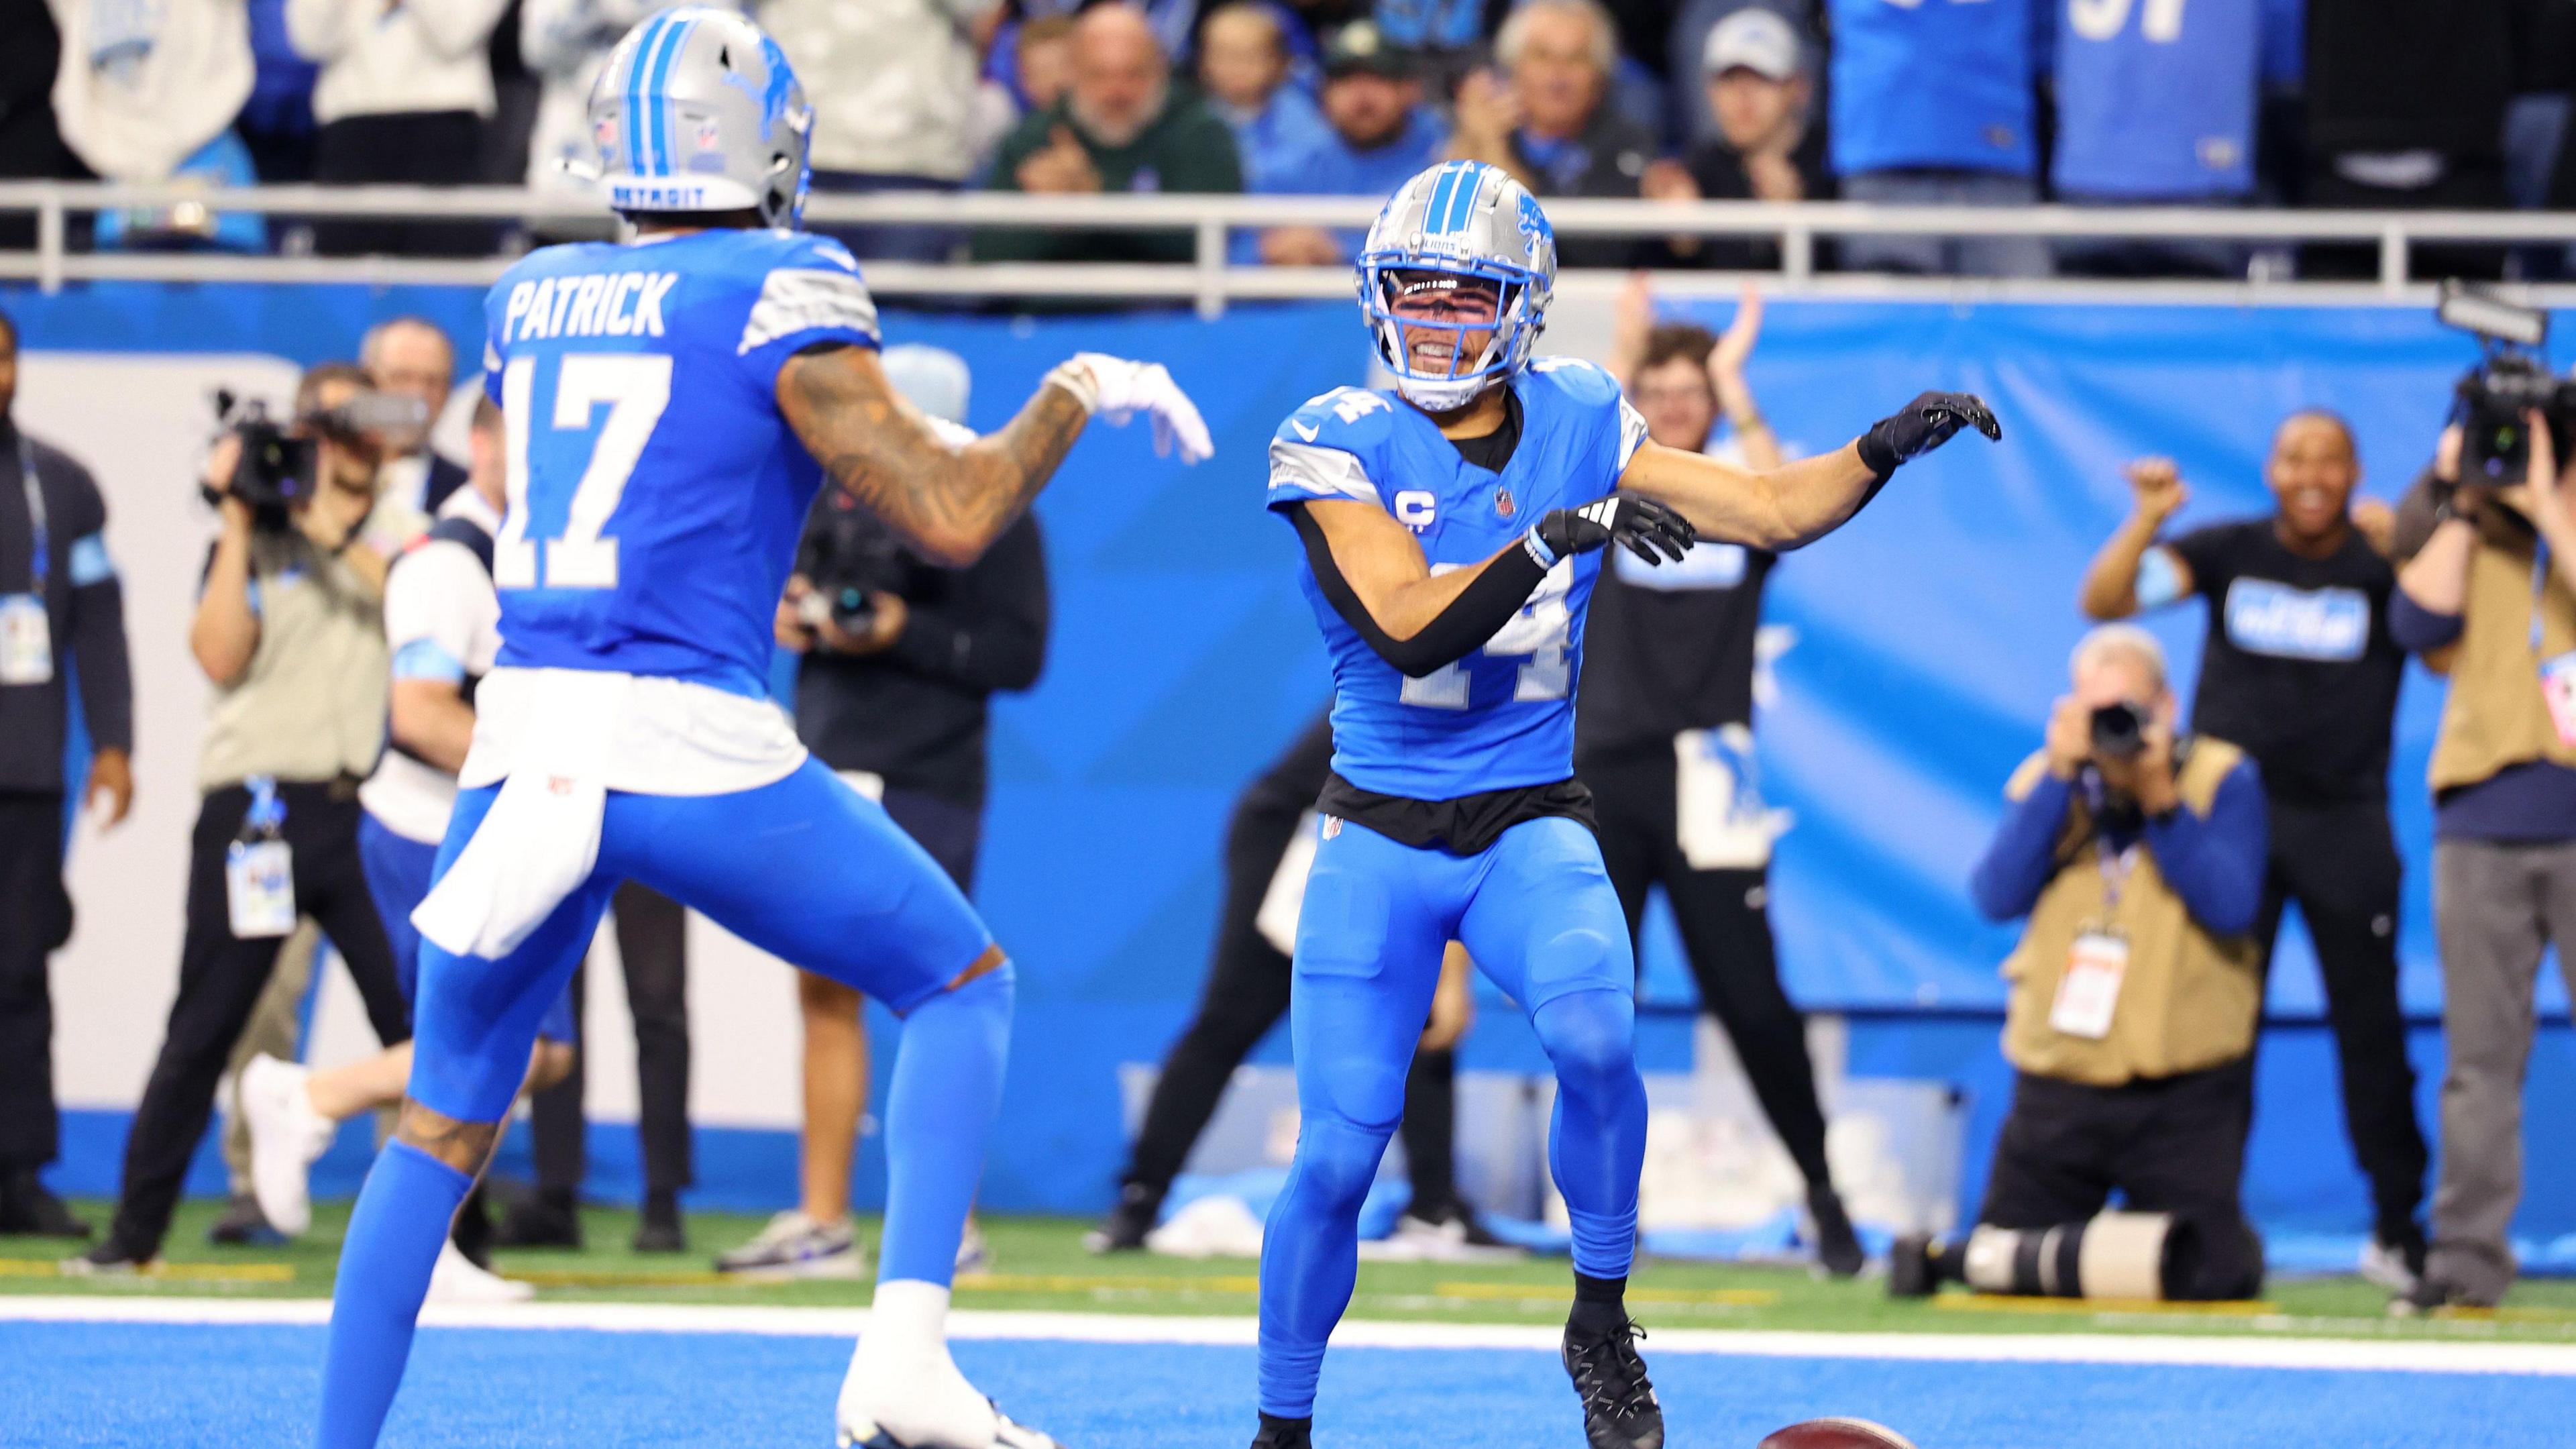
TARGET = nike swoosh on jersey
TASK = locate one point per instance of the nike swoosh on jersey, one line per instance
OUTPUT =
(1303, 431)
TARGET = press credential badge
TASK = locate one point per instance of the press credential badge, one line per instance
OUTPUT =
(259, 869)
(26, 641)
(2089, 993)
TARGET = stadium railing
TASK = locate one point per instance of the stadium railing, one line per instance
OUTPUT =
(1210, 283)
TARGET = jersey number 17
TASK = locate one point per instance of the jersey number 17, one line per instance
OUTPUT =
(635, 387)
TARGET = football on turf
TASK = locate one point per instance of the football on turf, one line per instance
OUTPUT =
(1837, 1434)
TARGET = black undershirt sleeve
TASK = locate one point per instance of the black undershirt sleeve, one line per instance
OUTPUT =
(1485, 605)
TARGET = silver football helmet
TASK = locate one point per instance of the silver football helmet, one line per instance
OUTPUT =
(698, 110)
(1458, 222)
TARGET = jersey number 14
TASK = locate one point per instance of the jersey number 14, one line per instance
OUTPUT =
(635, 387)
(1542, 632)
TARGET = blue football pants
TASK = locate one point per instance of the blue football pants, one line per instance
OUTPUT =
(806, 869)
(1537, 912)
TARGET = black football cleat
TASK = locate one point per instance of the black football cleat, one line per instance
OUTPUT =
(1838, 1249)
(243, 1226)
(1278, 1433)
(549, 1218)
(1619, 1407)
(1124, 1230)
(28, 1209)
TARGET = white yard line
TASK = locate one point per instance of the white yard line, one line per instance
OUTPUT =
(2195, 1351)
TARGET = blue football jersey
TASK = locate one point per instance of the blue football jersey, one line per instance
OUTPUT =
(2156, 99)
(656, 493)
(1503, 717)
(1936, 83)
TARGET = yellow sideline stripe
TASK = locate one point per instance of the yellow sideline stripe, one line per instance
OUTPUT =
(1671, 1297)
(2008, 1303)
(1095, 1282)
(158, 1272)
(633, 1278)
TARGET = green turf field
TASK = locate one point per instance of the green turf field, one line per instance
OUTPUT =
(1038, 1263)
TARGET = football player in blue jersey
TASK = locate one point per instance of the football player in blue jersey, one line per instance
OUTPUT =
(1452, 527)
(672, 404)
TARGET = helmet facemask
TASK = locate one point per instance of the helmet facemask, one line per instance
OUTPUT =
(1446, 328)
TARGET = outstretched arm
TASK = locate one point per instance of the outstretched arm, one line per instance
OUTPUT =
(1372, 571)
(1796, 504)
(2111, 589)
(948, 503)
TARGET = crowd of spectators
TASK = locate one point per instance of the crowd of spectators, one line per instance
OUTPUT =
(2343, 103)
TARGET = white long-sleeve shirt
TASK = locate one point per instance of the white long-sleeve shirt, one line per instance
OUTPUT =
(892, 81)
(566, 42)
(143, 87)
(387, 57)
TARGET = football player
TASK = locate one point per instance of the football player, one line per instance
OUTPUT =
(1452, 527)
(673, 403)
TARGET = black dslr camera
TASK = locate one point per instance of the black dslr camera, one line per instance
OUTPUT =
(2510, 380)
(281, 462)
(2119, 731)
(849, 556)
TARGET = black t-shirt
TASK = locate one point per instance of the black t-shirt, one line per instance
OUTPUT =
(2298, 668)
(1669, 649)
(915, 713)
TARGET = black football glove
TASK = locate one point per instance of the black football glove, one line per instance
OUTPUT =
(1922, 425)
(1642, 524)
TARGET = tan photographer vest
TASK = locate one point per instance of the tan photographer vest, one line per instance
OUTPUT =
(2188, 1000)
(2495, 716)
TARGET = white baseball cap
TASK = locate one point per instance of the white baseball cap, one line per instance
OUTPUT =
(1755, 39)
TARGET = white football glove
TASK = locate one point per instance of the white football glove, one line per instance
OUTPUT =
(1118, 389)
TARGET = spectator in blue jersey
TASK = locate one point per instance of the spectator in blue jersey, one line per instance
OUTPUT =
(1759, 87)
(1550, 124)
(1937, 105)
(2156, 104)
(1243, 66)
(1380, 134)
(1445, 38)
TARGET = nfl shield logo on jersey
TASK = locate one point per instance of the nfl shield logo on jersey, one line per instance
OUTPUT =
(1503, 503)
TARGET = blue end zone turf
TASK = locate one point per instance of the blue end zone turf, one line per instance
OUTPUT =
(217, 1387)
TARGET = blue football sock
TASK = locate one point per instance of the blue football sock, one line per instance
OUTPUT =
(394, 1236)
(939, 1113)
(1596, 1144)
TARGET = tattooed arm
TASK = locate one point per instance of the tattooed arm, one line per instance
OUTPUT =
(948, 503)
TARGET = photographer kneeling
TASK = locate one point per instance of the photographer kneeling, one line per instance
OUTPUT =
(290, 629)
(2135, 993)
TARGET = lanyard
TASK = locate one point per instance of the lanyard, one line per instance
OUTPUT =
(2114, 864)
(40, 562)
(2539, 591)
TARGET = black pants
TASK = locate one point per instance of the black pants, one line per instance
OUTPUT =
(425, 148)
(652, 945)
(1247, 992)
(2339, 862)
(220, 978)
(35, 918)
(2173, 1145)
(1726, 933)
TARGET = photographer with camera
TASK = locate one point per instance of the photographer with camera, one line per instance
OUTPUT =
(2490, 600)
(2138, 858)
(290, 630)
(900, 659)
(2298, 668)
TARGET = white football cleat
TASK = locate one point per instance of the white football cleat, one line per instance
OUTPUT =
(286, 1134)
(456, 1280)
(903, 1391)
